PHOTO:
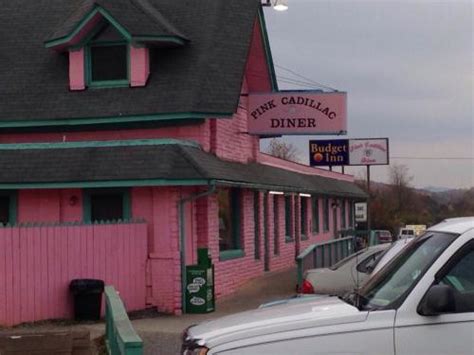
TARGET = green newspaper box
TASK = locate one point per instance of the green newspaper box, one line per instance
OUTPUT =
(200, 285)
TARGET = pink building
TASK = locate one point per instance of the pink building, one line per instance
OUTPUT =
(124, 148)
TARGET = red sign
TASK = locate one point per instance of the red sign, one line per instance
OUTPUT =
(298, 112)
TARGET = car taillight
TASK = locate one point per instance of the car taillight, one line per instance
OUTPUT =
(307, 287)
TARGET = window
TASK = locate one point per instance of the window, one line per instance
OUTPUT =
(461, 278)
(256, 218)
(326, 214)
(343, 214)
(315, 214)
(303, 218)
(106, 205)
(276, 229)
(229, 222)
(368, 265)
(388, 287)
(288, 234)
(7, 208)
(107, 65)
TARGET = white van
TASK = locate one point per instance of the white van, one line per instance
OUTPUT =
(406, 233)
(421, 302)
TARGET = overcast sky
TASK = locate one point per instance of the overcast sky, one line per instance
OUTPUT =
(407, 67)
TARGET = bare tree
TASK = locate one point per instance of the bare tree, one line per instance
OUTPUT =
(283, 150)
(400, 181)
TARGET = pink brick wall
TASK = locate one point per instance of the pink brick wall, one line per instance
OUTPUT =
(227, 277)
(229, 137)
(230, 274)
(159, 206)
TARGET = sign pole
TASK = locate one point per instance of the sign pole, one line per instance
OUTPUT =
(368, 199)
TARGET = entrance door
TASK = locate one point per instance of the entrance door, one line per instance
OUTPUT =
(266, 241)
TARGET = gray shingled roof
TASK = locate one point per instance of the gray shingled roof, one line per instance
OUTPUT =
(172, 162)
(138, 17)
(203, 76)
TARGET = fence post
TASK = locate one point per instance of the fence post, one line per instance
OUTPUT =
(323, 263)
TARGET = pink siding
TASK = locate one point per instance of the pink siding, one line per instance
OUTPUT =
(38, 206)
(76, 70)
(257, 71)
(50, 206)
(139, 66)
(37, 264)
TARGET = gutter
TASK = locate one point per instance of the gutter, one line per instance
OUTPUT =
(182, 238)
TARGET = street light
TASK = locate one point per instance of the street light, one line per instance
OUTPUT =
(279, 5)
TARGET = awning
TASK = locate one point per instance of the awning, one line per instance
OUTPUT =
(148, 163)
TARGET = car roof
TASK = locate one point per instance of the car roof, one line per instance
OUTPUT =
(454, 225)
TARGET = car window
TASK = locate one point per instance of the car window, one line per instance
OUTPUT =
(367, 265)
(461, 278)
(389, 287)
(346, 260)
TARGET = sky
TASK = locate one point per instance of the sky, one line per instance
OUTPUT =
(407, 68)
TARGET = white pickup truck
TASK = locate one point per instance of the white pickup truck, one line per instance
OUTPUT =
(422, 302)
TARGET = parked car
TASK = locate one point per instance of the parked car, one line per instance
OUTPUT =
(390, 253)
(382, 236)
(422, 302)
(344, 276)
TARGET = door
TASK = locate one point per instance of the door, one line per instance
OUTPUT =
(266, 241)
(448, 333)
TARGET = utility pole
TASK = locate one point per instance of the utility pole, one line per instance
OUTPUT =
(368, 199)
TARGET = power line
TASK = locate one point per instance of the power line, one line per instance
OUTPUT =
(293, 82)
(288, 80)
(305, 78)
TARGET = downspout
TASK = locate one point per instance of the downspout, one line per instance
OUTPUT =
(182, 237)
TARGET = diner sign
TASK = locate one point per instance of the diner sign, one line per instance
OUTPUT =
(298, 112)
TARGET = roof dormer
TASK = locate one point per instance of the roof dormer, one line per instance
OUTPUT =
(109, 47)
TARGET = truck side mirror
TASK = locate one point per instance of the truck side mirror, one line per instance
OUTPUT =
(439, 299)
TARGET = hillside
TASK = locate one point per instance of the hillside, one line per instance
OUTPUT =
(394, 206)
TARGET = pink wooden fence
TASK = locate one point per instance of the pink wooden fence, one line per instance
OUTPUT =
(37, 264)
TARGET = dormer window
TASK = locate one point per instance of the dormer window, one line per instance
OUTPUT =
(105, 53)
(107, 65)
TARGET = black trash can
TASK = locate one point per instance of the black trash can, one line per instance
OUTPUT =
(87, 298)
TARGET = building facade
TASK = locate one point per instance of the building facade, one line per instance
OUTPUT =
(124, 148)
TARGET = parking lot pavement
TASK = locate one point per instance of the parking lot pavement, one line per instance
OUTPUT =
(162, 334)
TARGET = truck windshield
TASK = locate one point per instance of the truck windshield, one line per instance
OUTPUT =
(389, 287)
